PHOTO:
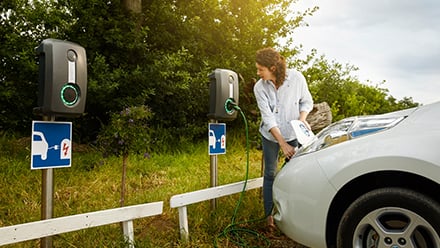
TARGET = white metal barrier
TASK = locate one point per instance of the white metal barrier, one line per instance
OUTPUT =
(182, 200)
(50, 227)
(126, 215)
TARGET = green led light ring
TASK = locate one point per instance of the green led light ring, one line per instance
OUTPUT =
(69, 94)
(229, 101)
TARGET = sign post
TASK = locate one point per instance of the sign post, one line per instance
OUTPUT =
(217, 145)
(46, 195)
(50, 148)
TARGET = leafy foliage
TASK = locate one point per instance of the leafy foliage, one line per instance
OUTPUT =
(161, 58)
(335, 84)
(127, 132)
(22, 25)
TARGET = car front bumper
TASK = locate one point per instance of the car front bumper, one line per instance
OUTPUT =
(302, 195)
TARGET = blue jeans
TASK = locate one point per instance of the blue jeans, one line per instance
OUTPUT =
(270, 153)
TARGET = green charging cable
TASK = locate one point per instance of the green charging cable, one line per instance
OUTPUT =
(233, 232)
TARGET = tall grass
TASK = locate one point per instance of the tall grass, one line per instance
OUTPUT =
(92, 183)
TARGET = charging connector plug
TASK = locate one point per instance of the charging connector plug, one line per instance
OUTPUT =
(230, 105)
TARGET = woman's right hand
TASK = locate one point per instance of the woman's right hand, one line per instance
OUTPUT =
(288, 150)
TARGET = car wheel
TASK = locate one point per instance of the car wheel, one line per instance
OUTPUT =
(390, 217)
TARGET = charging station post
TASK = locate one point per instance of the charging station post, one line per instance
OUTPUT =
(223, 96)
(213, 163)
(62, 92)
(47, 195)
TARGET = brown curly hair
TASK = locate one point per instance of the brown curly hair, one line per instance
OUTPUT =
(269, 57)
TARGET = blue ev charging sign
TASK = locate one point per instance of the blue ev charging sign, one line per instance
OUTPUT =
(51, 144)
(217, 138)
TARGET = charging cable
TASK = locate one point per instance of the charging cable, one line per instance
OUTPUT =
(234, 232)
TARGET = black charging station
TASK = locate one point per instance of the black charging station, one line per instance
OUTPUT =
(62, 92)
(62, 78)
(223, 95)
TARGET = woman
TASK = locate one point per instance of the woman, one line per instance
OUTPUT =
(282, 95)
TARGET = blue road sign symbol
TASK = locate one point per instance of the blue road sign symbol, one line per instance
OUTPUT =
(217, 138)
(51, 144)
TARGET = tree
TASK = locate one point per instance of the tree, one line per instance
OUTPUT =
(132, 5)
(127, 133)
(160, 57)
(337, 85)
(23, 25)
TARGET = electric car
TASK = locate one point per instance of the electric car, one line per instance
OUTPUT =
(366, 181)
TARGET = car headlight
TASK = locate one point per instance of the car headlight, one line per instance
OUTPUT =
(350, 128)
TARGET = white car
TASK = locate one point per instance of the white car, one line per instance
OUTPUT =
(367, 181)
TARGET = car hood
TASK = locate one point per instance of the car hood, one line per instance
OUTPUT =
(407, 146)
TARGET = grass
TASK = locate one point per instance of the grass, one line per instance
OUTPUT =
(92, 183)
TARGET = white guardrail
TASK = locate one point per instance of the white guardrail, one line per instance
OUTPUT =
(50, 227)
(126, 215)
(182, 200)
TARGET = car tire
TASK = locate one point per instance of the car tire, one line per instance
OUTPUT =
(390, 217)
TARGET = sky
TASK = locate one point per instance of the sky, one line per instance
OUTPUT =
(393, 40)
